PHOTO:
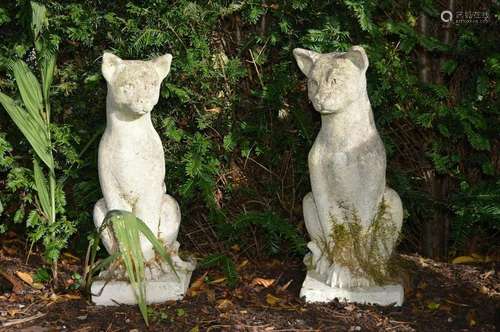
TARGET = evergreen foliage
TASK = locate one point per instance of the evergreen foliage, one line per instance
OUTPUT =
(234, 115)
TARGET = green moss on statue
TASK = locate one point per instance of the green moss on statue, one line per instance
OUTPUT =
(365, 251)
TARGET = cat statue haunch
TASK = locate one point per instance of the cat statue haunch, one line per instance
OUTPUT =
(131, 169)
(347, 170)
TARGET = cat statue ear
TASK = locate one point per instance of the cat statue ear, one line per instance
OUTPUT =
(110, 64)
(305, 59)
(358, 56)
(162, 65)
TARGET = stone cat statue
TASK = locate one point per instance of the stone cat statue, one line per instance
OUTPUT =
(131, 158)
(346, 162)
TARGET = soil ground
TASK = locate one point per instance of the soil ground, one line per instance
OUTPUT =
(438, 297)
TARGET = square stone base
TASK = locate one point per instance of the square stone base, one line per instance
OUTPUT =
(166, 288)
(316, 291)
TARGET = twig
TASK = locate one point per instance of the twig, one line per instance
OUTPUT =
(22, 320)
(256, 69)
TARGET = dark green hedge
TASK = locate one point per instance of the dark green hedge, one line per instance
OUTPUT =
(236, 123)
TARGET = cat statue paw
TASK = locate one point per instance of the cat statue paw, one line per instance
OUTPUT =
(131, 167)
(352, 217)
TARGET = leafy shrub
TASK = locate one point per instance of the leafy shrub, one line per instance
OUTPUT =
(234, 114)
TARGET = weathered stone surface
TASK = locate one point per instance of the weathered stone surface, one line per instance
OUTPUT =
(347, 168)
(131, 168)
(314, 290)
(164, 287)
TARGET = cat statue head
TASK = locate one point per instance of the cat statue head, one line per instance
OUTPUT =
(133, 85)
(334, 80)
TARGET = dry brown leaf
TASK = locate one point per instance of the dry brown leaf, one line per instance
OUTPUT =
(224, 304)
(10, 251)
(17, 286)
(37, 285)
(484, 290)
(70, 296)
(350, 307)
(210, 295)
(464, 260)
(242, 264)
(488, 274)
(218, 281)
(285, 286)
(471, 318)
(263, 282)
(25, 276)
(197, 285)
(13, 311)
(271, 299)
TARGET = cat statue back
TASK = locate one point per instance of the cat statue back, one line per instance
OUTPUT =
(347, 165)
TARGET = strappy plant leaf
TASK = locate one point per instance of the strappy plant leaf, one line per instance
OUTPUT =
(41, 188)
(127, 229)
(39, 19)
(48, 65)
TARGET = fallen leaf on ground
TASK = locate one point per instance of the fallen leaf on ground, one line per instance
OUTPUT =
(218, 281)
(70, 296)
(242, 264)
(37, 285)
(350, 307)
(263, 282)
(197, 285)
(17, 286)
(433, 305)
(271, 299)
(25, 276)
(471, 318)
(10, 251)
(224, 304)
(285, 286)
(13, 311)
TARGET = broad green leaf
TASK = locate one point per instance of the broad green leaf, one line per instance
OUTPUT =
(39, 20)
(41, 188)
(29, 88)
(48, 65)
(35, 133)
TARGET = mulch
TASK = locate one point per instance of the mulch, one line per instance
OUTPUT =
(438, 297)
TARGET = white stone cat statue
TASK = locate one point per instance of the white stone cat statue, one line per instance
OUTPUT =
(131, 161)
(347, 170)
